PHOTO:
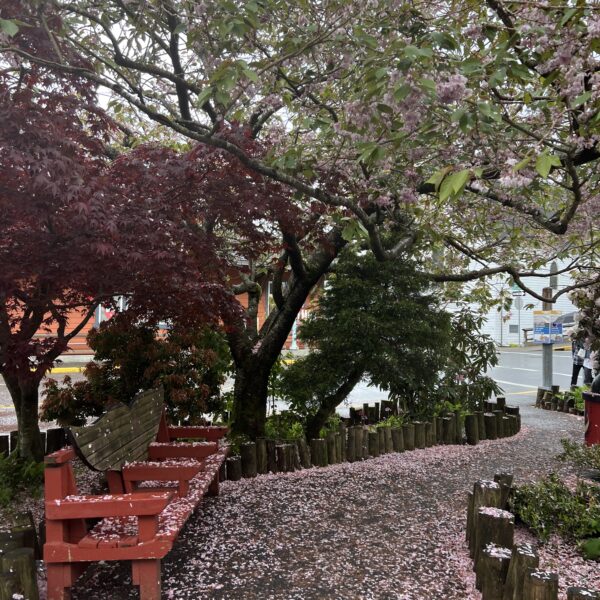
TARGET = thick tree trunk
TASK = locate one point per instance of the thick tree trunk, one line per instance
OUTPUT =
(250, 394)
(316, 422)
(25, 397)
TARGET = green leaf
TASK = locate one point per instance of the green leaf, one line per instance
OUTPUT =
(250, 74)
(401, 92)
(8, 27)
(438, 176)
(544, 163)
(581, 99)
(457, 114)
(446, 189)
(428, 84)
(204, 95)
(567, 16)
(179, 29)
(498, 77)
(522, 163)
(459, 180)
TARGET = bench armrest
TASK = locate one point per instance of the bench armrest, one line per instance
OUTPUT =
(108, 505)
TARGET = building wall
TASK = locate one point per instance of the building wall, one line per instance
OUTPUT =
(498, 324)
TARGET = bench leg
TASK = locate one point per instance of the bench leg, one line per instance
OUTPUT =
(146, 574)
(59, 578)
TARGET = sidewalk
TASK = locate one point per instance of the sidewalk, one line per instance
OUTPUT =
(390, 528)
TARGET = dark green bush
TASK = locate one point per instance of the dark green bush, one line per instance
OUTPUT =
(580, 455)
(18, 475)
(286, 425)
(549, 506)
(130, 357)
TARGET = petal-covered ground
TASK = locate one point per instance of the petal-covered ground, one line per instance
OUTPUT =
(391, 527)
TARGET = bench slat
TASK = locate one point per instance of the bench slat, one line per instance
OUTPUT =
(122, 434)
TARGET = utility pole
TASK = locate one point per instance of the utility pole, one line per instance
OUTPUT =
(547, 348)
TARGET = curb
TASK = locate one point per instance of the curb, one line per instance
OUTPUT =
(63, 370)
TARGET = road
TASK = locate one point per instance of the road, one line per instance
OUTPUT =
(519, 373)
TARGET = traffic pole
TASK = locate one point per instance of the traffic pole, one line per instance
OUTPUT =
(547, 348)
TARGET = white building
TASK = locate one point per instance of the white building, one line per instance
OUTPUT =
(507, 328)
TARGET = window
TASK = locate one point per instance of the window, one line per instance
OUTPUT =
(513, 329)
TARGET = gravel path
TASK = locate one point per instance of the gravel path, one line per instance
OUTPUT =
(391, 527)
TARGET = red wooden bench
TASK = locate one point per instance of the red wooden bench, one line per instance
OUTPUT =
(155, 483)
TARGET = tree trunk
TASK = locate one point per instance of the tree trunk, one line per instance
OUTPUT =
(250, 394)
(25, 397)
(316, 422)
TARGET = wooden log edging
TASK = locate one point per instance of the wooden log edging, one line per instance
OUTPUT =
(505, 571)
(359, 442)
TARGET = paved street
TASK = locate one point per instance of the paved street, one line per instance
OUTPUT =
(519, 373)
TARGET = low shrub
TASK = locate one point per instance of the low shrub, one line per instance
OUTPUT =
(286, 425)
(19, 476)
(549, 506)
(580, 455)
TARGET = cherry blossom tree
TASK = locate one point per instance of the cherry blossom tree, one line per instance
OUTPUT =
(466, 128)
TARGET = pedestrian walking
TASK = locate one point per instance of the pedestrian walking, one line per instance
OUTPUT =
(588, 363)
(580, 350)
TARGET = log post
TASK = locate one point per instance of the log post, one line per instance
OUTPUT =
(381, 442)
(9, 586)
(337, 438)
(272, 457)
(359, 442)
(492, 526)
(389, 443)
(498, 414)
(373, 443)
(318, 452)
(485, 493)
(429, 439)
(491, 432)
(419, 434)
(501, 403)
(524, 559)
(458, 428)
(480, 425)
(20, 562)
(285, 457)
(577, 593)
(350, 445)
(304, 451)
(295, 454)
(439, 434)
(342, 443)
(448, 430)
(331, 449)
(505, 480)
(408, 431)
(261, 456)
(249, 459)
(539, 397)
(540, 585)
(472, 429)
(398, 439)
(506, 426)
(492, 570)
(234, 468)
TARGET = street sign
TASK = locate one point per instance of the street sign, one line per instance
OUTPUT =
(519, 302)
(545, 328)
